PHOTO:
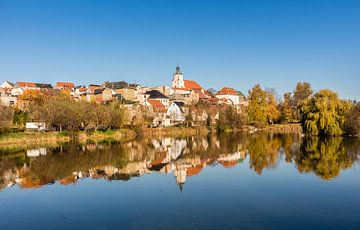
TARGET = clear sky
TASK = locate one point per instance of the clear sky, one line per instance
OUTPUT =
(218, 43)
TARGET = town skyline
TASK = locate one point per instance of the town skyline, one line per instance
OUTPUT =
(168, 83)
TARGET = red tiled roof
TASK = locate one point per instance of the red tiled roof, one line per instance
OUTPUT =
(65, 84)
(25, 84)
(191, 84)
(227, 91)
(156, 103)
(93, 88)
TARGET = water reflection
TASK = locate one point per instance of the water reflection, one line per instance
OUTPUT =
(184, 158)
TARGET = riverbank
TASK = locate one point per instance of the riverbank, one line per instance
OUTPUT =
(33, 138)
(28, 138)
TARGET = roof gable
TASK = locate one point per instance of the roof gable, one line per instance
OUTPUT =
(227, 91)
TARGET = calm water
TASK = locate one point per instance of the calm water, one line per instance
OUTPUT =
(229, 182)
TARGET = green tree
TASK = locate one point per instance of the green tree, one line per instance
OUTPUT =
(302, 92)
(352, 122)
(231, 118)
(257, 106)
(324, 114)
(286, 113)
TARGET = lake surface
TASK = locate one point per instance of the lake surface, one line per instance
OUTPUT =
(257, 181)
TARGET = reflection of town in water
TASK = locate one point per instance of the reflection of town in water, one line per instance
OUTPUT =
(182, 157)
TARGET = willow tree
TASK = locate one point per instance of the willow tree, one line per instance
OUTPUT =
(324, 114)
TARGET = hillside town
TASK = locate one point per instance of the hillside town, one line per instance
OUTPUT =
(168, 105)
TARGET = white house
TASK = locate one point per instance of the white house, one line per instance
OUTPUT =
(7, 85)
(175, 113)
(6, 98)
(230, 95)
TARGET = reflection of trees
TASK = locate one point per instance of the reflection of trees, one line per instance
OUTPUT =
(264, 151)
(122, 161)
(325, 157)
(47, 169)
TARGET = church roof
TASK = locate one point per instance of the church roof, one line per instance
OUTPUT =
(191, 84)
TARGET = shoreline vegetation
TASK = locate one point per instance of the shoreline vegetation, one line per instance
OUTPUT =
(124, 135)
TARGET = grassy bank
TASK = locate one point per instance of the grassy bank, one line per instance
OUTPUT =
(43, 138)
(33, 138)
(174, 132)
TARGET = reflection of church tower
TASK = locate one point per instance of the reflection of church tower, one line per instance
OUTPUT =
(180, 175)
(181, 186)
(178, 79)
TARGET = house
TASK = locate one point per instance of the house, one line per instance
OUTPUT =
(20, 87)
(68, 86)
(91, 92)
(160, 113)
(6, 98)
(80, 92)
(110, 95)
(128, 91)
(176, 113)
(158, 96)
(7, 85)
(230, 95)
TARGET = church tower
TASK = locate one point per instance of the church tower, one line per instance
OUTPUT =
(178, 79)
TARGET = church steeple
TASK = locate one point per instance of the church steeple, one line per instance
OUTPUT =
(178, 79)
(178, 70)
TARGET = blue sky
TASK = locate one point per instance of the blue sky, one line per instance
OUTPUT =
(218, 43)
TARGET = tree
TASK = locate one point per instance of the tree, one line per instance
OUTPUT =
(302, 92)
(352, 121)
(257, 106)
(231, 119)
(272, 112)
(324, 114)
(6, 116)
(286, 113)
